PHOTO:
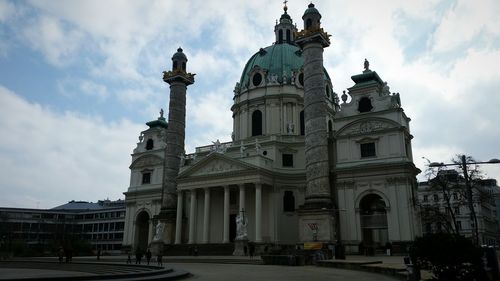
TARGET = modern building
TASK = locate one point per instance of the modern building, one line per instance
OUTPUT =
(437, 215)
(261, 173)
(99, 224)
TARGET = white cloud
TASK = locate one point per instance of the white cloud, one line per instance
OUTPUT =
(52, 158)
(464, 21)
(56, 42)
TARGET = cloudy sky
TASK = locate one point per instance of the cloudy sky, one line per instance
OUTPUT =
(78, 79)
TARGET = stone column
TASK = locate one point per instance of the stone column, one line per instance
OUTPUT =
(317, 210)
(258, 212)
(225, 238)
(242, 196)
(206, 216)
(178, 79)
(178, 220)
(192, 217)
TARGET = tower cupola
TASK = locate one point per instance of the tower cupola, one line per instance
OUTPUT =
(311, 18)
(284, 29)
(179, 61)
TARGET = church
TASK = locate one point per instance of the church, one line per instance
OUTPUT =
(363, 196)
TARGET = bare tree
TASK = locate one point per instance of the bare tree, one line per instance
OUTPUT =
(449, 183)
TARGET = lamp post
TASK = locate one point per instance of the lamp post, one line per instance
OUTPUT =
(463, 165)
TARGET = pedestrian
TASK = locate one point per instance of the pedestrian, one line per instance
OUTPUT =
(195, 251)
(60, 254)
(99, 254)
(388, 248)
(138, 256)
(251, 250)
(148, 256)
(159, 260)
(129, 259)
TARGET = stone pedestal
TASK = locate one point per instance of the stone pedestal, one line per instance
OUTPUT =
(316, 225)
(239, 246)
(156, 247)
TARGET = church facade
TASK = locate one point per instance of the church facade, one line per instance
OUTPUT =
(261, 173)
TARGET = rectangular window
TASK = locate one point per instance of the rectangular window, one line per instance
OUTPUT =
(367, 149)
(146, 178)
(436, 198)
(287, 160)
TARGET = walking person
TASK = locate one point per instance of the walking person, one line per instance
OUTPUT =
(159, 260)
(148, 256)
(129, 259)
(138, 256)
(60, 254)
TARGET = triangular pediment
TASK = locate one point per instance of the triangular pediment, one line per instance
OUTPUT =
(216, 164)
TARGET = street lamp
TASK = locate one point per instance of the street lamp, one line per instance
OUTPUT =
(463, 164)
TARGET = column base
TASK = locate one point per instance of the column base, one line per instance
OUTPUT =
(167, 218)
(316, 225)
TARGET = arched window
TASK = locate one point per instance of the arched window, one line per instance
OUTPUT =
(288, 202)
(174, 67)
(184, 65)
(301, 79)
(365, 105)
(256, 123)
(302, 124)
(149, 144)
(280, 36)
(330, 126)
(308, 23)
(288, 36)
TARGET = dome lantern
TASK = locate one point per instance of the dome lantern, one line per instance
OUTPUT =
(284, 29)
(179, 61)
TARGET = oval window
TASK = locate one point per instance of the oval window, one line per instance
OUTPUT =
(301, 79)
(257, 79)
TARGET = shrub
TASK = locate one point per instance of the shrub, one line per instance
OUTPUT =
(448, 256)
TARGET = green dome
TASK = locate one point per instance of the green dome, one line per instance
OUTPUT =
(276, 59)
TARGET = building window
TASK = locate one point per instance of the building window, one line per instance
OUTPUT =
(436, 198)
(428, 228)
(149, 144)
(288, 36)
(256, 123)
(367, 149)
(288, 202)
(302, 124)
(146, 178)
(330, 126)
(280, 36)
(365, 105)
(308, 23)
(426, 198)
(301, 79)
(287, 160)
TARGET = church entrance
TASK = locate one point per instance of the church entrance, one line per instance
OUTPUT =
(142, 231)
(373, 223)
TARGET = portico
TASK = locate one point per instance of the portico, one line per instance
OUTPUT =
(211, 200)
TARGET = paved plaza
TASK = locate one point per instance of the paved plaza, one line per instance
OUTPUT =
(201, 268)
